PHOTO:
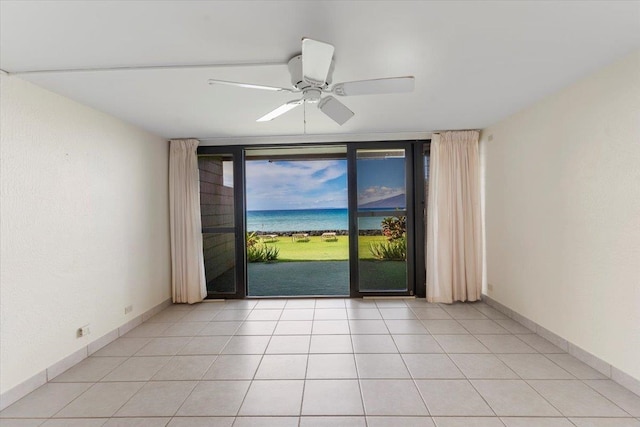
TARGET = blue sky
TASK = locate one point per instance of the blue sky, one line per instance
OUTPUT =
(380, 178)
(309, 184)
(318, 184)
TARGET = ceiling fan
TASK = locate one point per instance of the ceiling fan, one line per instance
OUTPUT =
(311, 74)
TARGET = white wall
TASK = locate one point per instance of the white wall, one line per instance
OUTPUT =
(84, 226)
(563, 213)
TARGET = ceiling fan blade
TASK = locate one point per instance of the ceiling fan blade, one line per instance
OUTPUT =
(249, 86)
(375, 86)
(280, 110)
(316, 61)
(335, 109)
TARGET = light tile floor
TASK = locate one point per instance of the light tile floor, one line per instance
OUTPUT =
(329, 362)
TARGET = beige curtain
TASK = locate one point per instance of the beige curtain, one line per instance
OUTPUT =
(187, 261)
(454, 234)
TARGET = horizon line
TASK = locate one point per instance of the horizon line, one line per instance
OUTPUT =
(294, 209)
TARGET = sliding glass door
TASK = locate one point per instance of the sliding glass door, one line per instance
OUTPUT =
(381, 214)
(221, 206)
(288, 204)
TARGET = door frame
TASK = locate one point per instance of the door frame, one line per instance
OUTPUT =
(420, 148)
(416, 205)
(352, 149)
(238, 218)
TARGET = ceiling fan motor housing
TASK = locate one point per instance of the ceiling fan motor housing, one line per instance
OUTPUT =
(295, 69)
(311, 95)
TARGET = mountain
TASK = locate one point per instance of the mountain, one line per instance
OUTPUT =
(399, 201)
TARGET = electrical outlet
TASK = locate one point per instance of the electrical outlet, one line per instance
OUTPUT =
(83, 331)
(490, 286)
(128, 309)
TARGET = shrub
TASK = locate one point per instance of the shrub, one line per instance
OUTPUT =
(252, 239)
(393, 250)
(271, 253)
(394, 228)
(262, 253)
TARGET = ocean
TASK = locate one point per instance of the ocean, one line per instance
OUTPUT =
(306, 220)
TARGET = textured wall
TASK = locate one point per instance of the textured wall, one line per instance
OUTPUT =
(563, 213)
(84, 226)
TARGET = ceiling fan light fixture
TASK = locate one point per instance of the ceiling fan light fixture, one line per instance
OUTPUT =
(311, 95)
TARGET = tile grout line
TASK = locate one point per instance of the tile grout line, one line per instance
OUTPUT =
(307, 367)
(516, 373)
(515, 316)
(253, 378)
(413, 380)
(604, 396)
(526, 381)
(466, 378)
(355, 364)
(496, 355)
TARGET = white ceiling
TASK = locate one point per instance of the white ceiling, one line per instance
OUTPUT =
(475, 62)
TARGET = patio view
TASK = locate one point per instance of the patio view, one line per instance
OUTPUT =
(315, 265)
(293, 249)
(291, 203)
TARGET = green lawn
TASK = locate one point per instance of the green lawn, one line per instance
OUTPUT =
(318, 250)
(318, 267)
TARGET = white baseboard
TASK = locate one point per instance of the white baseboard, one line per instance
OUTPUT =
(18, 392)
(22, 389)
(66, 363)
(584, 356)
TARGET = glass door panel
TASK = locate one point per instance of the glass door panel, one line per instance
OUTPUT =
(297, 221)
(219, 262)
(381, 226)
(217, 208)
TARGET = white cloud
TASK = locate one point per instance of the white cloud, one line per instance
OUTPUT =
(302, 174)
(372, 194)
(295, 184)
